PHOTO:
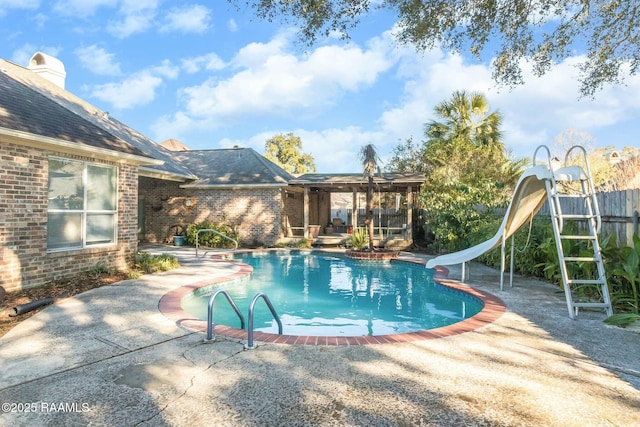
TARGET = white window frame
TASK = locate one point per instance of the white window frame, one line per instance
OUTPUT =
(84, 212)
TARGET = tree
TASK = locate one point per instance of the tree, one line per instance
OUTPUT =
(467, 169)
(542, 32)
(370, 159)
(284, 150)
(407, 157)
(610, 170)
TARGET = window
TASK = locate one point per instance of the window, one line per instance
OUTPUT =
(82, 208)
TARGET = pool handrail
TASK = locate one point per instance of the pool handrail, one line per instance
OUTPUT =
(210, 312)
(250, 345)
(216, 232)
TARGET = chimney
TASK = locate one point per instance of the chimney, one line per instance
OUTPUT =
(48, 67)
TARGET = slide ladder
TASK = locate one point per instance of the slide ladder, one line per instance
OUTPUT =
(584, 269)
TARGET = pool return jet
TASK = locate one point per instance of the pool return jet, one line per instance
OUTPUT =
(547, 183)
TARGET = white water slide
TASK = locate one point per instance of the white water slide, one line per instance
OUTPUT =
(529, 196)
(536, 186)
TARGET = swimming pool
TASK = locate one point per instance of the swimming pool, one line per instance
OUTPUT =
(320, 294)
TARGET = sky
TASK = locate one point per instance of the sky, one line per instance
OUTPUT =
(214, 76)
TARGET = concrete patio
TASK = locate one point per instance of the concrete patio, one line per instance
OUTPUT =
(108, 357)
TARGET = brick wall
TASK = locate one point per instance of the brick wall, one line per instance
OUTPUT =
(256, 212)
(24, 260)
(294, 208)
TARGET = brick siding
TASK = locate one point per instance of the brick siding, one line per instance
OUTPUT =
(255, 212)
(24, 260)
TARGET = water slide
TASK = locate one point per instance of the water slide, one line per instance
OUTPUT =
(528, 197)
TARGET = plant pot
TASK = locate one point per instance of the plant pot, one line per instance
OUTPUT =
(178, 240)
(328, 230)
(314, 231)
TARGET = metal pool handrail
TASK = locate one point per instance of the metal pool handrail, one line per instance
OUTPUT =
(249, 344)
(210, 312)
(216, 232)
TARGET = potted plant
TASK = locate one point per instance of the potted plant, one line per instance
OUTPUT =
(178, 235)
(329, 229)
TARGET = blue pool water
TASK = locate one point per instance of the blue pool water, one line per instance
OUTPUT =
(319, 294)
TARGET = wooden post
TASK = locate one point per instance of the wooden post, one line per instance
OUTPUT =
(306, 212)
(409, 214)
(354, 209)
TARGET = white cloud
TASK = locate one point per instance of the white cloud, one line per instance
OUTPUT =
(22, 55)
(209, 62)
(255, 54)
(175, 126)
(344, 145)
(187, 19)
(166, 69)
(232, 25)
(136, 90)
(81, 8)
(137, 16)
(130, 24)
(39, 18)
(7, 5)
(98, 60)
(280, 89)
(537, 111)
(19, 4)
(269, 81)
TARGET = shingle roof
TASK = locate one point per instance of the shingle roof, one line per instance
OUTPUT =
(32, 104)
(233, 167)
(24, 109)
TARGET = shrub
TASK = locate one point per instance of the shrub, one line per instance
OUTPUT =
(148, 263)
(209, 239)
(359, 238)
(100, 269)
(537, 255)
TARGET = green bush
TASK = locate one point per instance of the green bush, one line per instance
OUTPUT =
(209, 239)
(623, 274)
(359, 238)
(101, 269)
(148, 263)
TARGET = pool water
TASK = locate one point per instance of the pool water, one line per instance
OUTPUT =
(319, 294)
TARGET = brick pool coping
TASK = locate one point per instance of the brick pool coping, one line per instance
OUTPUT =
(170, 307)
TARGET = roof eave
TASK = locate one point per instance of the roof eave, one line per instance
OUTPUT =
(231, 186)
(67, 147)
(164, 175)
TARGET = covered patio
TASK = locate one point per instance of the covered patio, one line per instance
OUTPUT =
(328, 207)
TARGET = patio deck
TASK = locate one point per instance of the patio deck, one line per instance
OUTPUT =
(109, 357)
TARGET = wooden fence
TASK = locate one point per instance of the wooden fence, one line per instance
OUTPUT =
(618, 209)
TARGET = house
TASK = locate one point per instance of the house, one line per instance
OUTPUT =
(79, 188)
(236, 186)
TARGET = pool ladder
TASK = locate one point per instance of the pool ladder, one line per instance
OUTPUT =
(249, 345)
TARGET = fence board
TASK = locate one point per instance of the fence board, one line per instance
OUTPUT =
(619, 211)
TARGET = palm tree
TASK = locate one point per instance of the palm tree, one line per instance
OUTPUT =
(465, 164)
(466, 123)
(369, 158)
(466, 115)
(467, 133)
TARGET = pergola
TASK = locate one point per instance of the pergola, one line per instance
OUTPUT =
(315, 183)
